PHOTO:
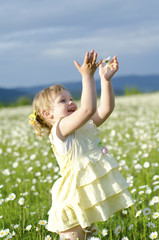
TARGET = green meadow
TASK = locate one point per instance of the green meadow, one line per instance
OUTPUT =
(28, 170)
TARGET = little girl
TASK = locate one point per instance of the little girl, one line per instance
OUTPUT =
(91, 188)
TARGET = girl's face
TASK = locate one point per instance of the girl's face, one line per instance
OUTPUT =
(63, 105)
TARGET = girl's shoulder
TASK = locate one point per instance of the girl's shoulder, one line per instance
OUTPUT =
(62, 147)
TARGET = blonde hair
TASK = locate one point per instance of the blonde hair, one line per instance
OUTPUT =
(43, 100)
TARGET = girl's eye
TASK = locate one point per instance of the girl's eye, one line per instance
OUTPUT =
(63, 100)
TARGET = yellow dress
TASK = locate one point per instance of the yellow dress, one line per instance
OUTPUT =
(91, 188)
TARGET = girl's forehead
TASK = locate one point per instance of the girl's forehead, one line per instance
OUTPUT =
(63, 93)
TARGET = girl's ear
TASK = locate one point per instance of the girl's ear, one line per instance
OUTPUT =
(47, 115)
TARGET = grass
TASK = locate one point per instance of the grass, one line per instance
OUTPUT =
(29, 169)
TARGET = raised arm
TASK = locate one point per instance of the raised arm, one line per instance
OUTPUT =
(107, 101)
(70, 123)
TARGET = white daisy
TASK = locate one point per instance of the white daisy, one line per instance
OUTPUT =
(94, 230)
(21, 201)
(6, 172)
(138, 213)
(28, 227)
(125, 238)
(104, 232)
(155, 199)
(151, 225)
(6, 232)
(117, 230)
(43, 222)
(2, 233)
(124, 212)
(48, 237)
(155, 215)
(146, 211)
(153, 235)
(148, 191)
(130, 227)
(156, 188)
(12, 196)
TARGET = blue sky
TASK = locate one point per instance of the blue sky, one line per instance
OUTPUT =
(40, 39)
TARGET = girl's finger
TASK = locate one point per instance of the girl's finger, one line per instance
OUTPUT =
(77, 65)
(86, 59)
(111, 61)
(91, 56)
(99, 62)
(94, 58)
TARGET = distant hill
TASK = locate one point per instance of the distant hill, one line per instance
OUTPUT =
(142, 83)
(11, 95)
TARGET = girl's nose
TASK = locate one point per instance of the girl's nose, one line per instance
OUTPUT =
(70, 102)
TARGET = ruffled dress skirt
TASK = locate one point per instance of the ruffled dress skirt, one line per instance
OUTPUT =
(91, 188)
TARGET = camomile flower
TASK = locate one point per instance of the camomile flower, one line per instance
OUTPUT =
(155, 215)
(141, 192)
(1, 201)
(7, 199)
(43, 222)
(156, 188)
(130, 227)
(146, 211)
(6, 172)
(146, 165)
(16, 226)
(124, 212)
(155, 199)
(12, 196)
(6, 232)
(48, 237)
(28, 227)
(148, 191)
(15, 165)
(49, 165)
(133, 190)
(125, 238)
(106, 60)
(117, 230)
(92, 238)
(155, 177)
(104, 232)
(56, 169)
(155, 183)
(138, 213)
(21, 201)
(151, 225)
(38, 174)
(151, 203)
(153, 235)
(94, 230)
(2, 233)
(9, 237)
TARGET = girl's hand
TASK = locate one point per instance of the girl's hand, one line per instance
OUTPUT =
(109, 70)
(89, 65)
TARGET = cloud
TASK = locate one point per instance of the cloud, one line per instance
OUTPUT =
(38, 35)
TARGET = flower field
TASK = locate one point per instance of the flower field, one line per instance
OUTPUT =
(28, 170)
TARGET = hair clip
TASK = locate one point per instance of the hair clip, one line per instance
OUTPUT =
(32, 118)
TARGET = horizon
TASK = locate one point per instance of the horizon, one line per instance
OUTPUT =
(75, 81)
